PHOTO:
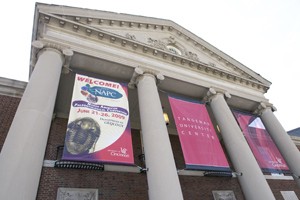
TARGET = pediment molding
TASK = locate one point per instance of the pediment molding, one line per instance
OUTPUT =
(13, 88)
(88, 27)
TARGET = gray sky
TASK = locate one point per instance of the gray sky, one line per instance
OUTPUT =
(264, 35)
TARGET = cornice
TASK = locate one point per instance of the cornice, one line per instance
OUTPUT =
(82, 26)
(166, 25)
(296, 140)
(13, 88)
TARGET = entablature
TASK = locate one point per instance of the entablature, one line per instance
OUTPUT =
(77, 28)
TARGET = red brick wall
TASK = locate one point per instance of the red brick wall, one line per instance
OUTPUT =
(110, 185)
(121, 185)
(283, 185)
(202, 187)
(8, 108)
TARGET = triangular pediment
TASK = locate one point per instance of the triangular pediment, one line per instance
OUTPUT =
(158, 34)
(172, 43)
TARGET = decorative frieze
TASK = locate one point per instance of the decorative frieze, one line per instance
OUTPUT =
(61, 23)
(88, 31)
(134, 46)
(158, 44)
(130, 36)
(75, 27)
(122, 23)
(168, 48)
(100, 35)
(89, 20)
(192, 56)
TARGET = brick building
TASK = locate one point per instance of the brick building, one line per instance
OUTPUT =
(154, 57)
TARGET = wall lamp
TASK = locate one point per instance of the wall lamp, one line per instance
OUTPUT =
(166, 117)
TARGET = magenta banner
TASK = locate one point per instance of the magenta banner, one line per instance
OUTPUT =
(261, 143)
(200, 145)
(98, 127)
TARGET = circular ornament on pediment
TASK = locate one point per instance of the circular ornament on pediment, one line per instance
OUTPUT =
(173, 49)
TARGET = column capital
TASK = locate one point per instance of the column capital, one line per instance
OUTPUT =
(39, 47)
(140, 72)
(262, 106)
(212, 92)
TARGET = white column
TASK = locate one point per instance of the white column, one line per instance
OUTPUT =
(162, 177)
(23, 152)
(286, 146)
(252, 180)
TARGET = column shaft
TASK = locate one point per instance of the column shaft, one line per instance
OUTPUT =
(252, 180)
(163, 181)
(22, 155)
(283, 141)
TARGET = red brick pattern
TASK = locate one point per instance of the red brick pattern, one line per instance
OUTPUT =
(202, 187)
(283, 185)
(121, 185)
(8, 108)
(110, 185)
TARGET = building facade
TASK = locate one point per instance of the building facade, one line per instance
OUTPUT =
(154, 57)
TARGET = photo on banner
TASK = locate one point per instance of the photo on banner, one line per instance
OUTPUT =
(264, 149)
(199, 142)
(98, 127)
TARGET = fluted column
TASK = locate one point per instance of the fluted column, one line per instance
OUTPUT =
(22, 155)
(251, 178)
(162, 177)
(284, 143)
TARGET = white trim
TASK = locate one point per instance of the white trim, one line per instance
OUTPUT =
(11, 87)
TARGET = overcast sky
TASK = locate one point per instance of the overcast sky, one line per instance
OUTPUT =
(264, 35)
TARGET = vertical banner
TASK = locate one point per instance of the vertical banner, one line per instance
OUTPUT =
(200, 145)
(261, 143)
(98, 127)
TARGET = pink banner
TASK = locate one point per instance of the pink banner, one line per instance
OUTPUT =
(260, 142)
(199, 141)
(98, 127)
